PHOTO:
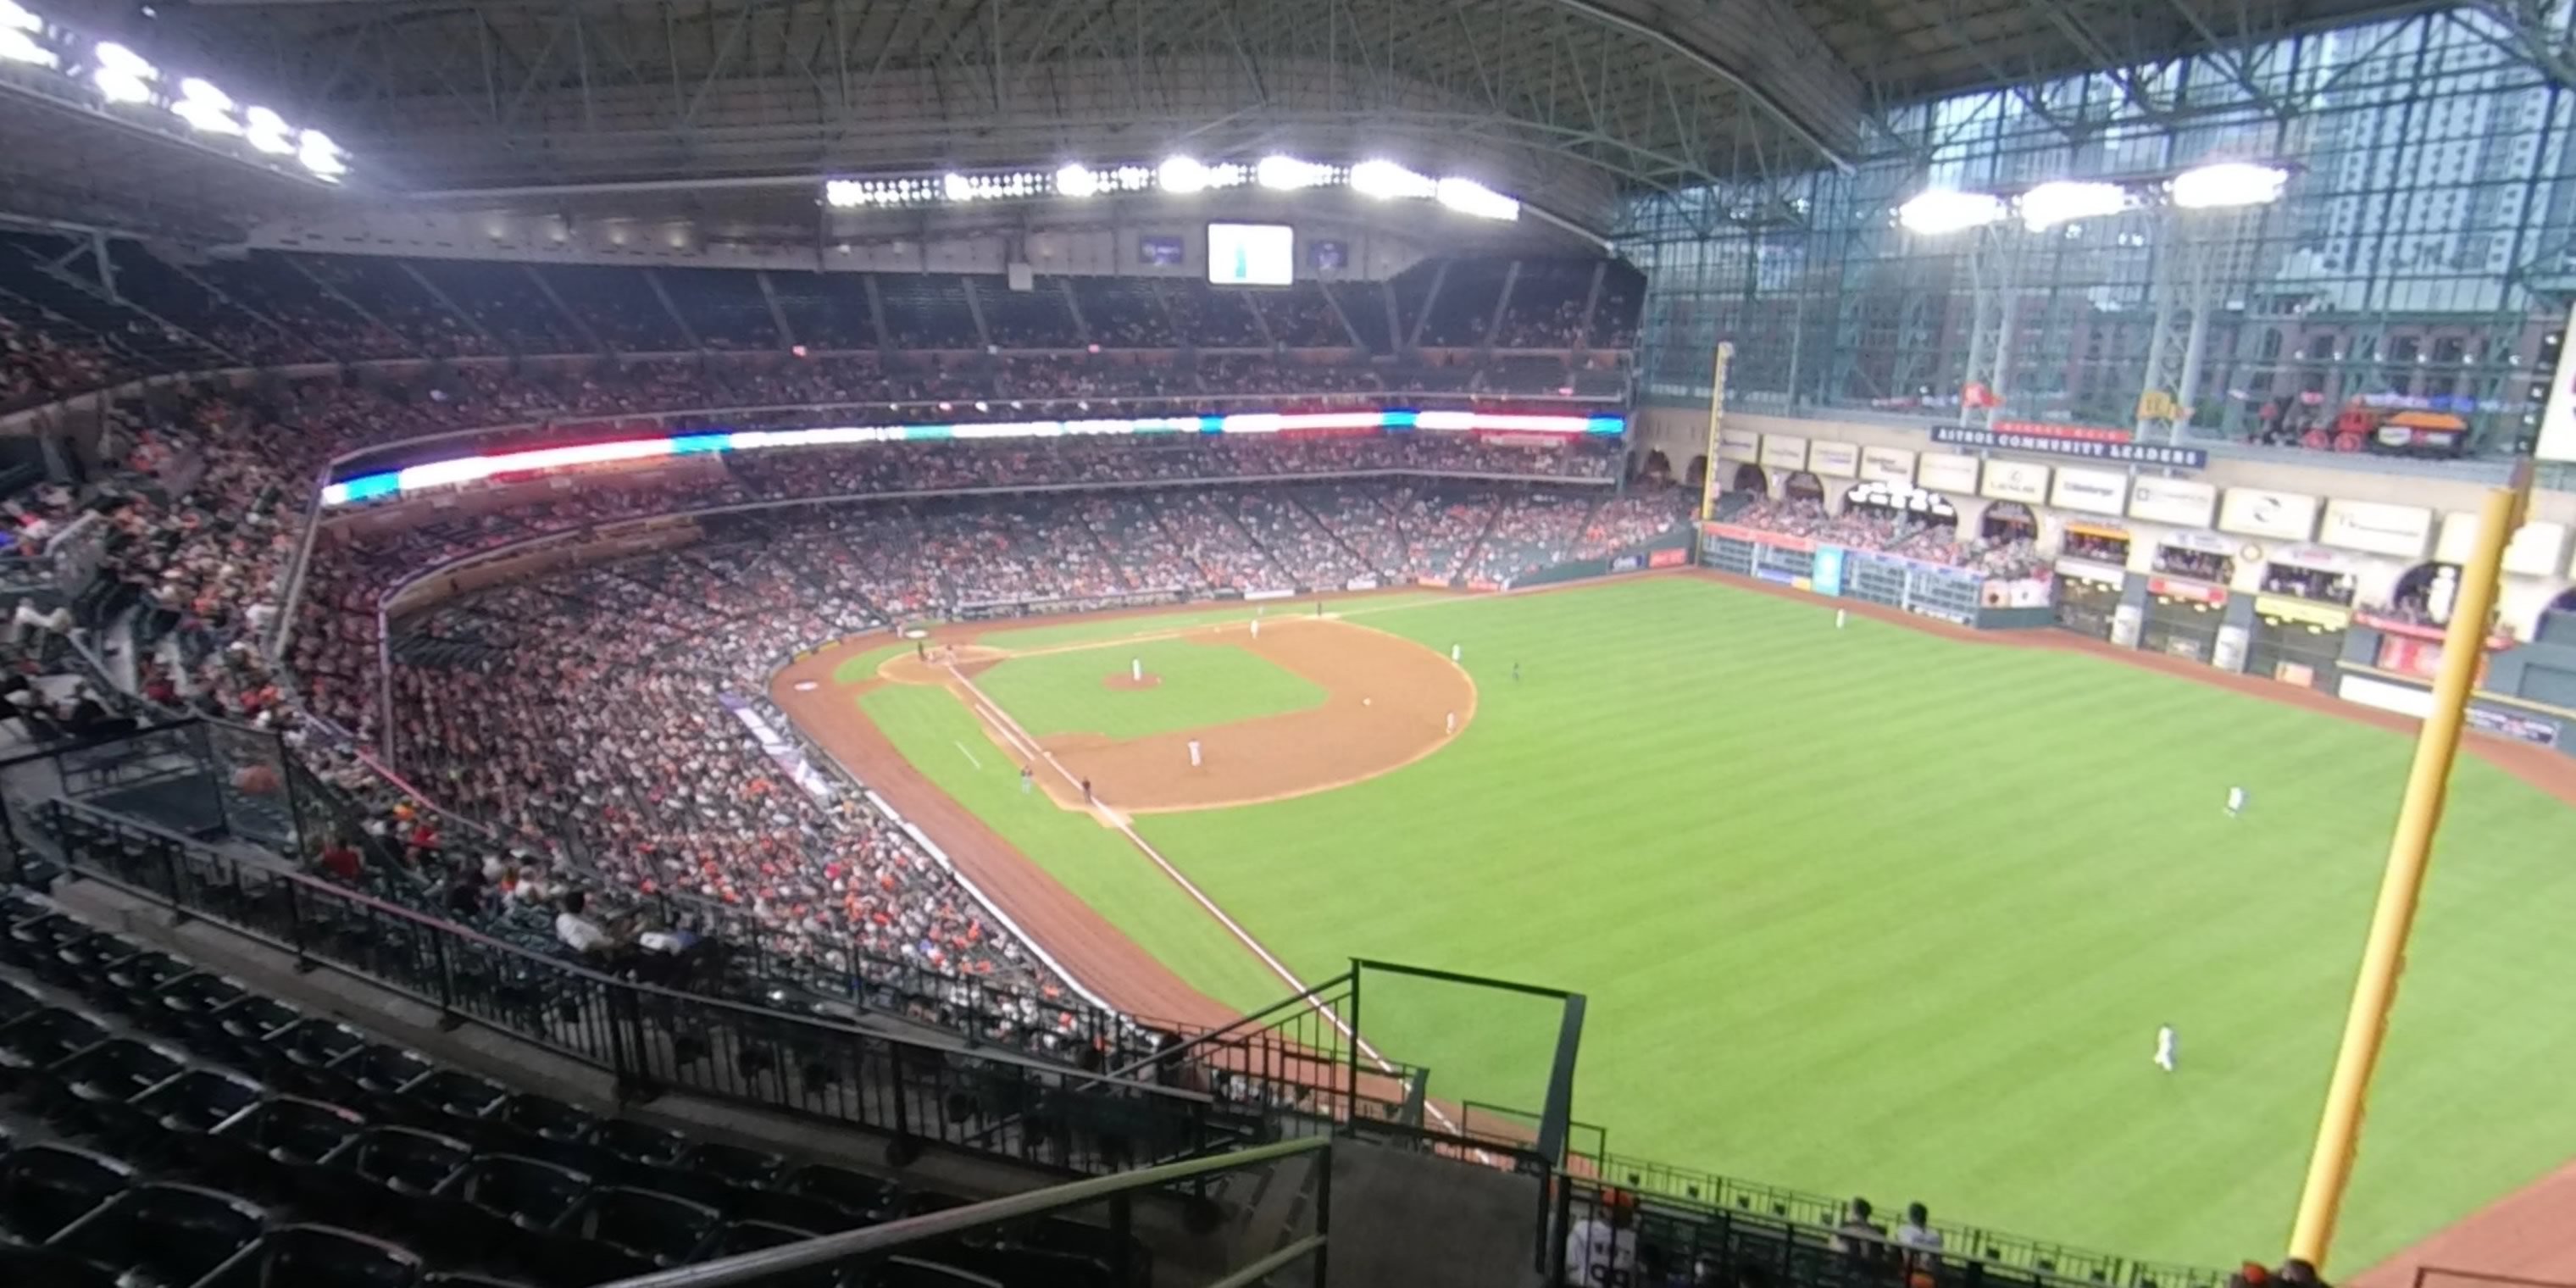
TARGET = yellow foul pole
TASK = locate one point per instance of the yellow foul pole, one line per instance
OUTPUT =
(1716, 417)
(2383, 956)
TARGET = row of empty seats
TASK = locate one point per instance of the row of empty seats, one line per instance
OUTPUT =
(166, 1126)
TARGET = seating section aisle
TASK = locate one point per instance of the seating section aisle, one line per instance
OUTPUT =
(162, 1126)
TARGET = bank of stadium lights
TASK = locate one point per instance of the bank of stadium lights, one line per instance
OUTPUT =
(19, 30)
(1175, 175)
(122, 80)
(2222, 185)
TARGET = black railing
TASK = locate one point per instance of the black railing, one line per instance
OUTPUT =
(654, 1039)
(1680, 1218)
(786, 1262)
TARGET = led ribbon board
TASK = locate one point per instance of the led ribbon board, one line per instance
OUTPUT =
(473, 469)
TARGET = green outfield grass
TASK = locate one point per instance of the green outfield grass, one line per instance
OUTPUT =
(1200, 684)
(1124, 627)
(1872, 911)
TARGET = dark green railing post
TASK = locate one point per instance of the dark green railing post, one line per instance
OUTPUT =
(295, 929)
(1323, 1218)
(1122, 1232)
(448, 1020)
(170, 879)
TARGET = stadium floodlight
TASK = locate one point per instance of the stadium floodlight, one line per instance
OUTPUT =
(1181, 175)
(953, 186)
(1386, 179)
(18, 47)
(267, 132)
(1287, 173)
(1468, 197)
(1936, 211)
(17, 17)
(2064, 201)
(321, 157)
(122, 74)
(205, 108)
(2227, 185)
(1076, 180)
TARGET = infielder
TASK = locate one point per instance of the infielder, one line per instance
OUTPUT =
(1194, 753)
(2165, 1055)
(1453, 722)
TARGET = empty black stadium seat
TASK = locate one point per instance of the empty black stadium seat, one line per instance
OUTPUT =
(185, 1002)
(866, 1198)
(911, 1272)
(162, 1234)
(303, 1057)
(44, 1188)
(173, 1119)
(42, 1037)
(88, 1088)
(374, 1180)
(132, 980)
(17, 1002)
(639, 1142)
(44, 1268)
(752, 1236)
(640, 1228)
(265, 1148)
(36, 939)
(380, 1070)
(80, 964)
(315, 1256)
(733, 1164)
(503, 1207)
(451, 1100)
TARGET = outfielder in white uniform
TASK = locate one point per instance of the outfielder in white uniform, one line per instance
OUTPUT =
(2235, 801)
(2166, 1057)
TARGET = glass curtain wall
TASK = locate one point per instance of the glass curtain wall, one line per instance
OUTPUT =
(2419, 258)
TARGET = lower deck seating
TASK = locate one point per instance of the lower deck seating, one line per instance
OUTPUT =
(162, 1127)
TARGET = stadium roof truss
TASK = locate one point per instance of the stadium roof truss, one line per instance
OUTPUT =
(1566, 102)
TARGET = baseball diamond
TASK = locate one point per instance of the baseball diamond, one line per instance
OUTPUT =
(1366, 644)
(1662, 812)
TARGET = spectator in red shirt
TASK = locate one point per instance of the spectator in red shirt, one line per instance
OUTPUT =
(340, 860)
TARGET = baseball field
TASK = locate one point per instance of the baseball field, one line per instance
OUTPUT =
(1869, 909)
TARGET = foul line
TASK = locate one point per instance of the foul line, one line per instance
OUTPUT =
(1011, 728)
(970, 756)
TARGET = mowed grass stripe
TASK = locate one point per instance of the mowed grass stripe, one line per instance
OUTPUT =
(1871, 909)
(1195, 685)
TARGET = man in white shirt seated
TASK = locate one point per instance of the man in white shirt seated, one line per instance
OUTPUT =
(580, 933)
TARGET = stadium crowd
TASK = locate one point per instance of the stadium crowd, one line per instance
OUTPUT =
(1896, 533)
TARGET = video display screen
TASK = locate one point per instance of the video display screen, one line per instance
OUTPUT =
(1251, 255)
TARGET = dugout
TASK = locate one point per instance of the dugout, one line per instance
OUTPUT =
(2009, 521)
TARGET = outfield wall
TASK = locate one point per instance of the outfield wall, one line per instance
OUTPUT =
(2373, 519)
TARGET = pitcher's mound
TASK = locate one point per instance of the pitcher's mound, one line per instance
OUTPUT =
(1129, 683)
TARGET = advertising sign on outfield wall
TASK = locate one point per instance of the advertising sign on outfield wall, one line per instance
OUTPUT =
(2180, 502)
(2534, 552)
(2017, 481)
(2399, 530)
(1887, 464)
(2558, 415)
(1837, 460)
(2260, 512)
(1826, 578)
(1784, 452)
(1738, 445)
(1943, 472)
(2092, 491)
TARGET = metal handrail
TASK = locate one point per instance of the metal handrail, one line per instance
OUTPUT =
(823, 1250)
(327, 892)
